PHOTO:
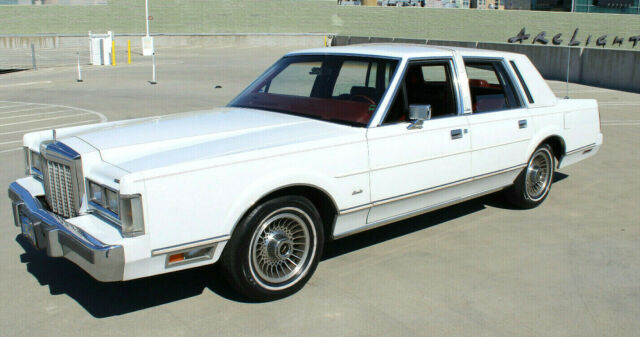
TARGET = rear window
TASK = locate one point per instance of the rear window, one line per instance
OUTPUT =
(490, 86)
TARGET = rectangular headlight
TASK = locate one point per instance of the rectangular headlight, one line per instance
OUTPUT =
(111, 200)
(131, 215)
(27, 163)
(36, 162)
(96, 193)
(32, 162)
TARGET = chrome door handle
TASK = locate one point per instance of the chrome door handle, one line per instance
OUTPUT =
(522, 124)
(456, 134)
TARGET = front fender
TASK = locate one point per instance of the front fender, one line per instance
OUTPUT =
(273, 182)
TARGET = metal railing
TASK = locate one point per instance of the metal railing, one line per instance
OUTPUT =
(35, 52)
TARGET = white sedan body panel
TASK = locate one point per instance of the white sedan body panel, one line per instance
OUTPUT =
(198, 173)
(425, 158)
(498, 141)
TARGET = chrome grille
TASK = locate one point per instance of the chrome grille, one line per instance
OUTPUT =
(59, 189)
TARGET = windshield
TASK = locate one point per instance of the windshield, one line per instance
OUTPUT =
(337, 88)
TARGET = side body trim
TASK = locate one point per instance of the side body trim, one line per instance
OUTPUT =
(188, 245)
(582, 148)
(428, 190)
(415, 213)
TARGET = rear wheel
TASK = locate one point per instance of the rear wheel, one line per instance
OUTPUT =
(533, 184)
(275, 249)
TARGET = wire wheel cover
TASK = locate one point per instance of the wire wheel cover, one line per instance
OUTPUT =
(538, 175)
(280, 248)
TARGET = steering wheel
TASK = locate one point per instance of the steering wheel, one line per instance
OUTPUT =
(364, 97)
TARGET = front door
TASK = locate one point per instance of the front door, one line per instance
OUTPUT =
(412, 168)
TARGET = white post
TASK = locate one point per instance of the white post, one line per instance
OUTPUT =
(146, 11)
(90, 49)
(153, 60)
(79, 69)
(33, 57)
(147, 41)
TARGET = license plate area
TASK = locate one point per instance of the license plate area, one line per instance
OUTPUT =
(24, 222)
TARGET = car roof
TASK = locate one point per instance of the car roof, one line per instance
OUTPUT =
(401, 50)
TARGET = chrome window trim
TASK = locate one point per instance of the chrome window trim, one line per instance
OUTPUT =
(454, 77)
(509, 71)
(389, 95)
(406, 63)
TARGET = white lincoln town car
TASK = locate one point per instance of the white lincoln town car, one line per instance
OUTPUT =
(326, 143)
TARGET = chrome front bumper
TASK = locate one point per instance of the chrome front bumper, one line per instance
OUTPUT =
(59, 238)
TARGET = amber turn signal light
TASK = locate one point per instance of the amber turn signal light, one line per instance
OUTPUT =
(176, 258)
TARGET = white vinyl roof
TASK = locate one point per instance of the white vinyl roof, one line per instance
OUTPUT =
(401, 50)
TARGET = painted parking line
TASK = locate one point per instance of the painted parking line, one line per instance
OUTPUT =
(100, 116)
(11, 142)
(630, 103)
(44, 119)
(20, 110)
(35, 114)
(24, 84)
(49, 127)
(18, 118)
(13, 105)
(10, 150)
(622, 124)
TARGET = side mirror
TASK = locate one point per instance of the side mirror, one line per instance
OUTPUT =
(418, 113)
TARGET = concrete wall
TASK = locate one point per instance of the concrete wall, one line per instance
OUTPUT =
(607, 68)
(297, 16)
(63, 50)
(171, 40)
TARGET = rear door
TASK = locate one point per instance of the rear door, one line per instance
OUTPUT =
(499, 125)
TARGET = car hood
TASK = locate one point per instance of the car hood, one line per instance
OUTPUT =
(150, 143)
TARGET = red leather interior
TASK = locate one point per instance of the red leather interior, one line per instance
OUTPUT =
(327, 109)
(485, 96)
(478, 83)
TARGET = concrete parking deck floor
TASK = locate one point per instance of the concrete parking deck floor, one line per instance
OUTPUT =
(570, 267)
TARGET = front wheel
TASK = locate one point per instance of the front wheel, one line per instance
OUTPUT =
(275, 249)
(533, 184)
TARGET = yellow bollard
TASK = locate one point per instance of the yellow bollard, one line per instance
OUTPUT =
(325, 40)
(129, 51)
(113, 52)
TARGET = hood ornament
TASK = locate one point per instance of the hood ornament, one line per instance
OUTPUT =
(54, 135)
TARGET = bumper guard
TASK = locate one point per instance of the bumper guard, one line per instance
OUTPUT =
(60, 238)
